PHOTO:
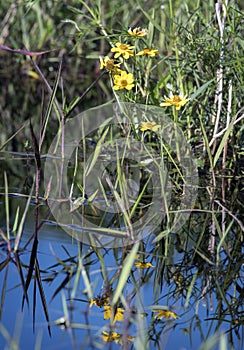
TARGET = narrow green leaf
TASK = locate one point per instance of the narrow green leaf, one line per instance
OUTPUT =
(150, 18)
(161, 235)
(16, 219)
(190, 288)
(19, 267)
(86, 280)
(222, 143)
(22, 222)
(96, 153)
(6, 205)
(4, 285)
(13, 136)
(125, 272)
(201, 89)
(62, 285)
(51, 104)
(31, 266)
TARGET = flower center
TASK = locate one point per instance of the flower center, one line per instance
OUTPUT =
(110, 64)
(123, 47)
(177, 99)
(123, 82)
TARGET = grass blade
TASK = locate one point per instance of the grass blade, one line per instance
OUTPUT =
(5, 263)
(125, 272)
(42, 294)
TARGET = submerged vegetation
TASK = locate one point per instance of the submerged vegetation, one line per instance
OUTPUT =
(162, 188)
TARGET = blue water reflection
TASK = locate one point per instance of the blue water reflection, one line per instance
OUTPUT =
(186, 332)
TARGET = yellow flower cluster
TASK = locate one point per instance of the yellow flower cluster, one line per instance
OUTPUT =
(114, 337)
(104, 302)
(117, 315)
(122, 79)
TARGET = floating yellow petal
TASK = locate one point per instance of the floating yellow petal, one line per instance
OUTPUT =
(149, 126)
(174, 100)
(123, 49)
(143, 265)
(165, 314)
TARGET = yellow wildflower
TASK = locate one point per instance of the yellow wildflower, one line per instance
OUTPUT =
(123, 49)
(110, 337)
(165, 314)
(130, 338)
(174, 100)
(138, 32)
(178, 279)
(114, 337)
(149, 52)
(108, 64)
(93, 302)
(116, 71)
(149, 126)
(99, 301)
(143, 265)
(119, 314)
(123, 81)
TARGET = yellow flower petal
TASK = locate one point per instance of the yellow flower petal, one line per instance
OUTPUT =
(100, 301)
(138, 32)
(149, 126)
(143, 265)
(148, 52)
(110, 337)
(165, 314)
(107, 312)
(92, 302)
(122, 50)
(108, 64)
(177, 101)
(123, 81)
(119, 314)
(130, 338)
